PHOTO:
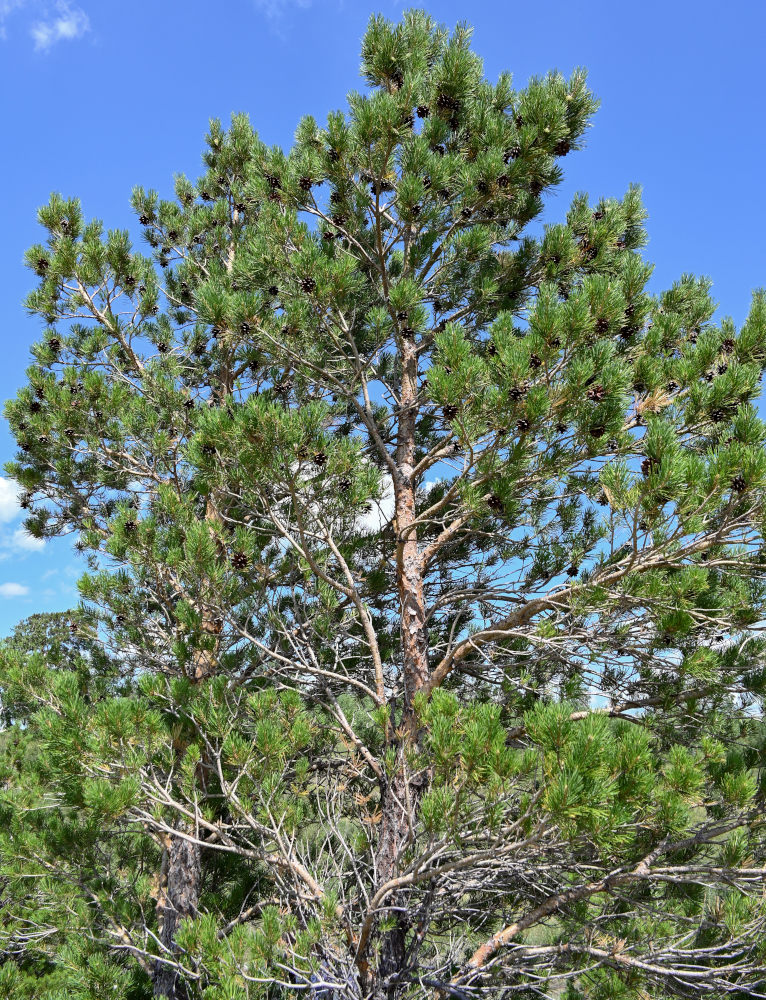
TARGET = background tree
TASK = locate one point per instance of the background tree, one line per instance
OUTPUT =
(444, 605)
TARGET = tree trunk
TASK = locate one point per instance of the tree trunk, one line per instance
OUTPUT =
(179, 899)
(400, 794)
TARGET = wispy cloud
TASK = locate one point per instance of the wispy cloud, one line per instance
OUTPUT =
(21, 539)
(8, 590)
(277, 11)
(68, 23)
(8, 7)
(9, 500)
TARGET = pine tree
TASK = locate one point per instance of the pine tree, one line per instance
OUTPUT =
(440, 562)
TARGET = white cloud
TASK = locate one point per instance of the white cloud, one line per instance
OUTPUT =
(9, 500)
(13, 590)
(21, 539)
(381, 511)
(69, 23)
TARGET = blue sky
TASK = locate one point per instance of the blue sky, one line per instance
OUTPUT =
(98, 96)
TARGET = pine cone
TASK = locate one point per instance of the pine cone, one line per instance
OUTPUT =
(423, 110)
(308, 285)
(512, 153)
(305, 183)
(450, 411)
(718, 414)
(523, 424)
(602, 324)
(503, 181)
(596, 393)
(239, 560)
(728, 344)
(739, 484)
(495, 503)
(535, 361)
(562, 147)
(130, 527)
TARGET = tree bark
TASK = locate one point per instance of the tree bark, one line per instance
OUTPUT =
(178, 899)
(400, 794)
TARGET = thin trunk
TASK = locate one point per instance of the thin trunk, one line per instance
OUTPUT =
(400, 794)
(179, 899)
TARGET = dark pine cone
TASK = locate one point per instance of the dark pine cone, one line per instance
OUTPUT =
(561, 428)
(272, 181)
(602, 500)
(397, 79)
(739, 484)
(639, 387)
(408, 333)
(40, 392)
(320, 459)
(718, 415)
(535, 361)
(708, 377)
(336, 198)
(439, 149)
(162, 347)
(305, 183)
(721, 369)
(328, 235)
(41, 266)
(450, 411)
(426, 182)
(144, 219)
(344, 484)
(55, 344)
(466, 213)
(408, 121)
(523, 424)
(517, 392)
(503, 181)
(188, 404)
(333, 155)
(536, 186)
(130, 526)
(672, 386)
(512, 153)
(482, 187)
(308, 285)
(273, 290)
(239, 560)
(602, 324)
(445, 102)
(303, 452)
(208, 449)
(598, 214)
(597, 430)
(596, 393)
(491, 350)
(647, 465)
(244, 328)
(727, 345)
(562, 147)
(573, 570)
(495, 503)
(423, 110)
